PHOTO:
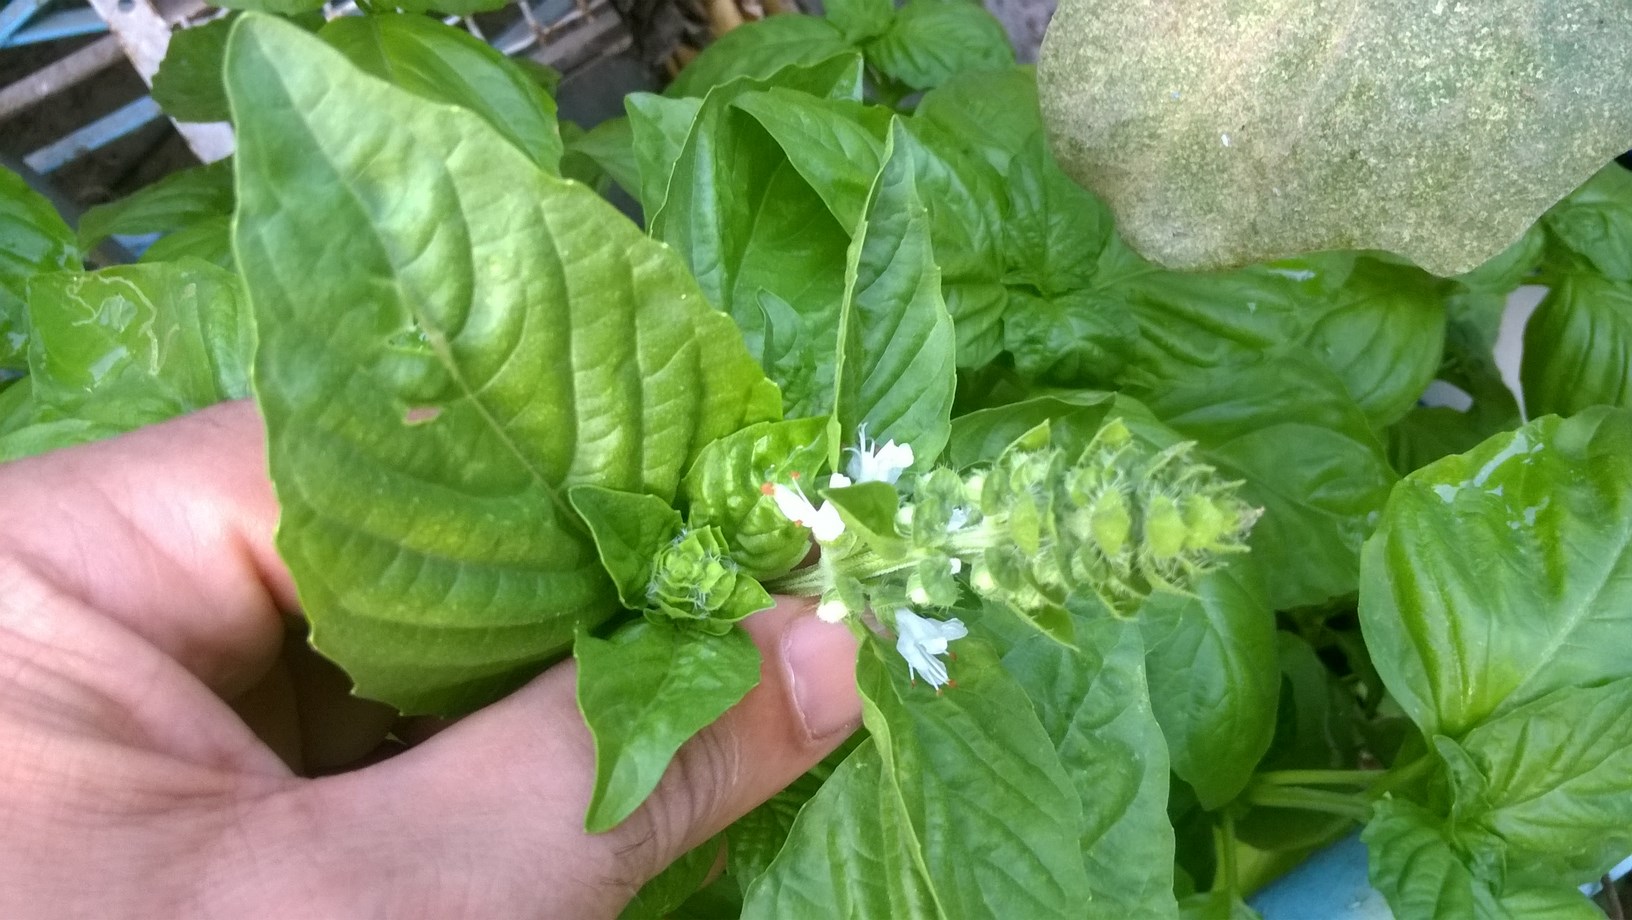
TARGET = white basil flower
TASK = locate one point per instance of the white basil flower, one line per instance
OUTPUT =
(874, 462)
(921, 640)
(824, 522)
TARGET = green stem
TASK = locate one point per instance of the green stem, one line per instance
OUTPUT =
(1343, 804)
(1400, 777)
(1226, 854)
(1360, 778)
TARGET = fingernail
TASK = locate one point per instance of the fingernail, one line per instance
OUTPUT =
(820, 661)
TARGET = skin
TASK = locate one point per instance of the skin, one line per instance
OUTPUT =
(161, 723)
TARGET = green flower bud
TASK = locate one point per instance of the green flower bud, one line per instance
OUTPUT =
(694, 579)
(1117, 522)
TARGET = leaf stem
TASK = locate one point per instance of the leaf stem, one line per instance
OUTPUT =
(1342, 804)
(1361, 778)
(1399, 777)
(1225, 842)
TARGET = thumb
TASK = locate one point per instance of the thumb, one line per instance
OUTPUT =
(502, 794)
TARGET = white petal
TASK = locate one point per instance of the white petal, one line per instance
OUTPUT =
(894, 458)
(838, 481)
(957, 565)
(832, 611)
(794, 507)
(825, 525)
(921, 639)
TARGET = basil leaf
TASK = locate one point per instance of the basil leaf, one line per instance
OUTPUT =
(643, 693)
(136, 344)
(660, 897)
(993, 113)
(1092, 701)
(458, 336)
(208, 239)
(658, 127)
(1288, 428)
(1383, 334)
(1211, 665)
(1417, 868)
(1591, 230)
(724, 489)
(1205, 319)
(967, 203)
(836, 145)
(609, 146)
(929, 41)
(758, 50)
(979, 437)
(759, 238)
(176, 202)
(860, 20)
(850, 853)
(973, 764)
(188, 83)
(757, 837)
(27, 429)
(894, 372)
(1578, 347)
(1553, 779)
(1497, 576)
(629, 529)
(451, 66)
(33, 239)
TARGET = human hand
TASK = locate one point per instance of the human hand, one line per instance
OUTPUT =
(140, 595)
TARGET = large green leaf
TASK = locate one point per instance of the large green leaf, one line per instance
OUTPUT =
(448, 337)
(658, 129)
(176, 202)
(758, 50)
(1578, 347)
(1503, 574)
(1288, 428)
(860, 20)
(628, 528)
(896, 374)
(836, 145)
(1500, 575)
(929, 41)
(1224, 134)
(1210, 661)
(850, 854)
(725, 488)
(33, 239)
(188, 82)
(609, 148)
(27, 429)
(1591, 231)
(1092, 701)
(967, 204)
(209, 239)
(1417, 867)
(644, 692)
(136, 344)
(449, 65)
(757, 837)
(1383, 334)
(973, 768)
(981, 436)
(1552, 778)
(762, 244)
(994, 113)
